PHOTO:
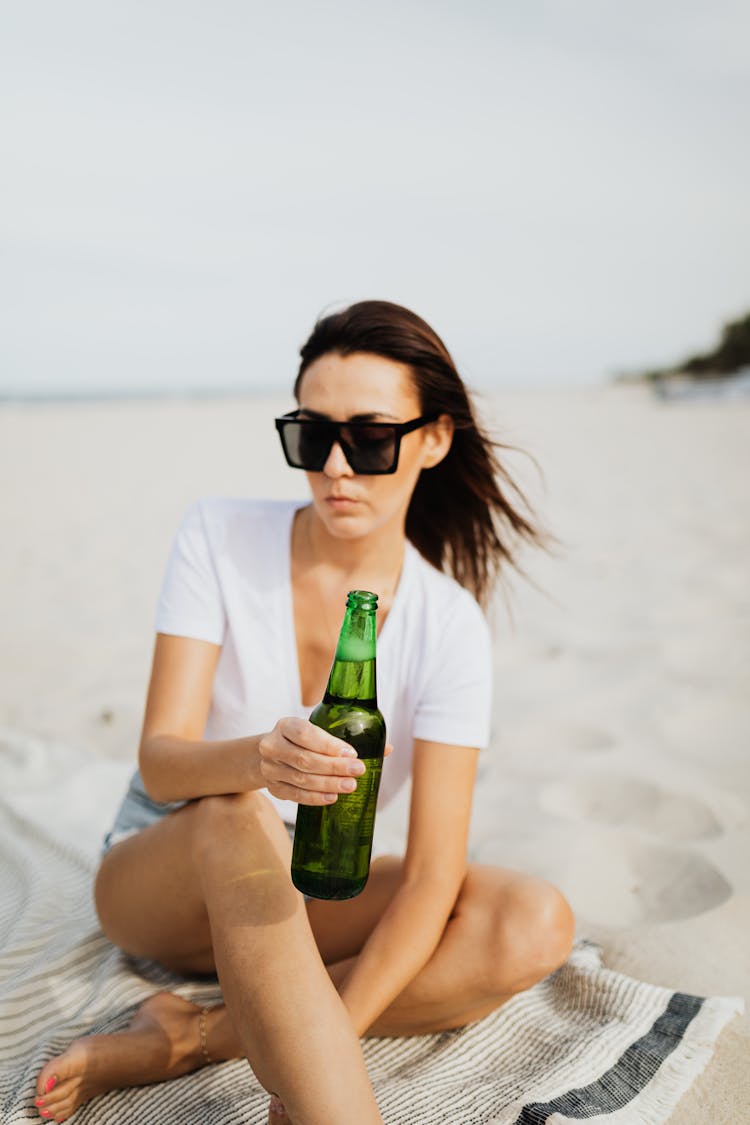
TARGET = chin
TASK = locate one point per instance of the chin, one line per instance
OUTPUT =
(348, 526)
(343, 524)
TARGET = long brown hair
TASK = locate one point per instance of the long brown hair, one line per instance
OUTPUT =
(460, 517)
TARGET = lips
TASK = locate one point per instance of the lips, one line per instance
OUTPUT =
(341, 501)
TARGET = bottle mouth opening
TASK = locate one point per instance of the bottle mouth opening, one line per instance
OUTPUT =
(362, 599)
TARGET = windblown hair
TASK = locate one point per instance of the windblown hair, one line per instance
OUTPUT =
(460, 517)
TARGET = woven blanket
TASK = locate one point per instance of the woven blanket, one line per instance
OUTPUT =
(586, 1043)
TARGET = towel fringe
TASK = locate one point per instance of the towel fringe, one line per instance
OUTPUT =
(658, 1100)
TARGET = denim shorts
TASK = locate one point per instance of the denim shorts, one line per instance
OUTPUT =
(137, 811)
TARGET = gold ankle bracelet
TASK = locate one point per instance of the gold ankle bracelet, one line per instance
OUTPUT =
(203, 1036)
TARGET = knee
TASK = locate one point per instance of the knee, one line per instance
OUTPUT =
(551, 918)
(533, 930)
(232, 822)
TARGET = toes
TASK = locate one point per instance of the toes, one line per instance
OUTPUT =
(55, 1098)
(48, 1078)
(58, 1104)
(47, 1107)
(63, 1112)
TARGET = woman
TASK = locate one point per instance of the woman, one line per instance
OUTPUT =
(195, 874)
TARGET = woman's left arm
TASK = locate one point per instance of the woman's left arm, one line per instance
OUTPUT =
(433, 870)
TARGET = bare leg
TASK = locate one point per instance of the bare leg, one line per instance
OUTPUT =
(291, 1021)
(208, 886)
(507, 932)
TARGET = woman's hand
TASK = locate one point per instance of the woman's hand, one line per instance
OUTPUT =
(300, 762)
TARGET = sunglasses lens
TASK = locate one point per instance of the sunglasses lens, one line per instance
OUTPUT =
(369, 449)
(306, 444)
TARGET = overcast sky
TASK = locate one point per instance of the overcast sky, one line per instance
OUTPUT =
(561, 188)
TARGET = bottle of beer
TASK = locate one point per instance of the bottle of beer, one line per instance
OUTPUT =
(332, 843)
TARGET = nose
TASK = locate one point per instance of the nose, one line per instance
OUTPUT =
(336, 463)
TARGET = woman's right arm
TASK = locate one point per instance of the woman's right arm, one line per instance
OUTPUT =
(296, 761)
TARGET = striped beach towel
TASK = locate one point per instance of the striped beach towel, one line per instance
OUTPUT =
(586, 1043)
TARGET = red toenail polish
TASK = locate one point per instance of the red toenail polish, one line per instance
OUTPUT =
(39, 1101)
(50, 1083)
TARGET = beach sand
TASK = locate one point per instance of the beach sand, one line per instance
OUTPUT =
(619, 760)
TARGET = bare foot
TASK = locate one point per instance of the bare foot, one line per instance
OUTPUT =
(161, 1041)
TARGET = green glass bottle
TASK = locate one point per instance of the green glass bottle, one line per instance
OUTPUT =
(332, 843)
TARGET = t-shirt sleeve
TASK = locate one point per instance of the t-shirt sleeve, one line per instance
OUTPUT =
(456, 699)
(190, 603)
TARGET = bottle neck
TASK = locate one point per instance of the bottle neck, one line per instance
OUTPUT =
(353, 671)
(352, 680)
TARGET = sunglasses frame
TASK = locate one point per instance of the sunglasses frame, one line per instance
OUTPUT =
(334, 428)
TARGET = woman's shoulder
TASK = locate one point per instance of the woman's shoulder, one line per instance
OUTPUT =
(216, 526)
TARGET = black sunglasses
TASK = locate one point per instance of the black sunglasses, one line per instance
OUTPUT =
(370, 448)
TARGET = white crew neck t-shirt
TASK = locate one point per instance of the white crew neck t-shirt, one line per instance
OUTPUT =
(228, 581)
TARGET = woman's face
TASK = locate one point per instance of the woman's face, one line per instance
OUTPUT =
(366, 387)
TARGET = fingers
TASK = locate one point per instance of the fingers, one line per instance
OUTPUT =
(300, 762)
(309, 788)
(304, 733)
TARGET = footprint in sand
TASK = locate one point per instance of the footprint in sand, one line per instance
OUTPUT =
(617, 878)
(627, 802)
(609, 876)
(620, 881)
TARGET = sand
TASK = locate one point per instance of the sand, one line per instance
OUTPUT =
(619, 761)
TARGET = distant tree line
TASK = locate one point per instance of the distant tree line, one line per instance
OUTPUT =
(731, 354)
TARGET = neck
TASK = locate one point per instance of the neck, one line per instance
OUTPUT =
(372, 559)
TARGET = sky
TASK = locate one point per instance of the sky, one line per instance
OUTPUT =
(560, 188)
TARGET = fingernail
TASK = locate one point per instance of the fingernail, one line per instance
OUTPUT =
(50, 1084)
(348, 785)
(356, 769)
(329, 798)
(39, 1101)
(349, 752)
